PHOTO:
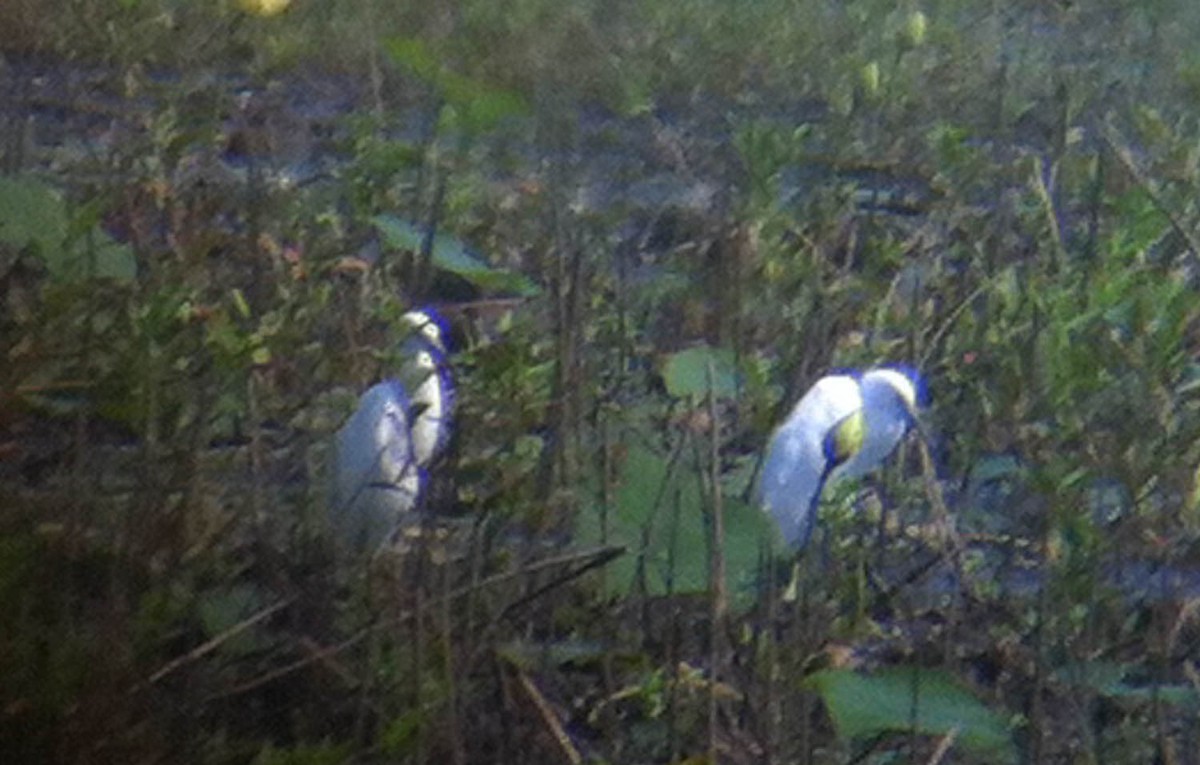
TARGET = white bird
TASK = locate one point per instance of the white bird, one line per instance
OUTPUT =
(844, 426)
(427, 374)
(383, 450)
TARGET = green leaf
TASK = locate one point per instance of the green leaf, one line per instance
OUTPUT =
(415, 55)
(450, 254)
(658, 515)
(897, 699)
(473, 105)
(323, 753)
(35, 214)
(477, 107)
(1109, 679)
(687, 373)
(31, 212)
(400, 734)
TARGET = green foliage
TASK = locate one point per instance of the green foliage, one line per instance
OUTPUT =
(697, 372)
(69, 243)
(946, 185)
(450, 254)
(660, 515)
(903, 699)
(470, 105)
(1117, 682)
(304, 754)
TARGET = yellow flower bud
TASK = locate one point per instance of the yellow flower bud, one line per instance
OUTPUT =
(870, 77)
(264, 8)
(915, 28)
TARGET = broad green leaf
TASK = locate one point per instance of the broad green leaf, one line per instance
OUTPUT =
(660, 519)
(473, 105)
(31, 212)
(687, 373)
(450, 254)
(896, 699)
(34, 213)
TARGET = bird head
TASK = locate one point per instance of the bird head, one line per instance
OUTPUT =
(428, 327)
(891, 401)
(900, 382)
(426, 359)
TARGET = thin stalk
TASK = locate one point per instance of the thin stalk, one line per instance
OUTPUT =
(716, 575)
(455, 734)
(416, 665)
(774, 711)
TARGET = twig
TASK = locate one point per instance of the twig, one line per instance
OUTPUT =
(1112, 137)
(549, 718)
(943, 330)
(208, 647)
(954, 545)
(1038, 182)
(943, 747)
(717, 568)
(287, 669)
(597, 557)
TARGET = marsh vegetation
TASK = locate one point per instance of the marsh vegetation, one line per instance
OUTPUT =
(651, 226)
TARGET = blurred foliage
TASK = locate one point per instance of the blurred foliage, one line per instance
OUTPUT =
(652, 226)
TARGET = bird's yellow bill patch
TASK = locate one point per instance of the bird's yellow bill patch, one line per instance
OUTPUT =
(848, 436)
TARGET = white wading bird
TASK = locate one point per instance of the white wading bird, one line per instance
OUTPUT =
(400, 427)
(845, 426)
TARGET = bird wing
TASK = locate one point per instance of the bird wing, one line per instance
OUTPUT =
(376, 479)
(796, 465)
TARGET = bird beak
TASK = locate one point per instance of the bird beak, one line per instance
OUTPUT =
(914, 417)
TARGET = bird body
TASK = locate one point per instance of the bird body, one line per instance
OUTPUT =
(797, 466)
(400, 427)
(376, 479)
(844, 426)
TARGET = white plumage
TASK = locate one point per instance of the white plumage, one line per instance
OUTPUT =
(376, 478)
(427, 375)
(401, 426)
(889, 399)
(844, 426)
